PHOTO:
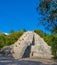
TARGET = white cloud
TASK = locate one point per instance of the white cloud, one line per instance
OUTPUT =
(6, 33)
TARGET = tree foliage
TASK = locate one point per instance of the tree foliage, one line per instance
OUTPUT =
(48, 11)
(40, 32)
(6, 40)
(52, 41)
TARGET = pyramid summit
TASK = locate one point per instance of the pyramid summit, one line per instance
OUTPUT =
(30, 44)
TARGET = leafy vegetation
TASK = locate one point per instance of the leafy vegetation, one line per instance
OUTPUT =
(6, 40)
(41, 33)
(52, 41)
(48, 11)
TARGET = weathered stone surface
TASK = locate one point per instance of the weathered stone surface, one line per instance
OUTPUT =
(29, 44)
(35, 45)
(26, 40)
(6, 51)
(40, 49)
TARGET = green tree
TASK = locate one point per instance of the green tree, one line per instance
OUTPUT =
(12, 31)
(6, 40)
(48, 11)
(40, 32)
(52, 41)
(3, 41)
(24, 30)
(13, 37)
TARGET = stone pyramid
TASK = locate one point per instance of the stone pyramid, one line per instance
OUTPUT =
(31, 44)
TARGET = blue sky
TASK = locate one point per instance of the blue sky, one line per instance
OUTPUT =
(19, 14)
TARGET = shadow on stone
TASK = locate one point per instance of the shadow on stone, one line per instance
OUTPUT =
(27, 52)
